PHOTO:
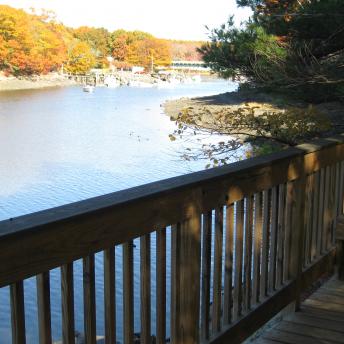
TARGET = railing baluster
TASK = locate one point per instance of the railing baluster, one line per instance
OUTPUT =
(248, 254)
(17, 313)
(258, 224)
(110, 296)
(287, 231)
(161, 286)
(309, 218)
(43, 307)
(321, 212)
(68, 335)
(228, 284)
(128, 293)
(187, 293)
(341, 189)
(265, 245)
(175, 277)
(273, 240)
(332, 207)
(206, 266)
(237, 297)
(89, 299)
(217, 276)
(145, 276)
(280, 234)
(326, 213)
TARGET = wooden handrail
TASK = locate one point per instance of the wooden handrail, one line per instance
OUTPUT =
(265, 200)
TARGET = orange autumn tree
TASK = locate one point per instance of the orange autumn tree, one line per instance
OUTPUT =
(80, 58)
(150, 50)
(29, 43)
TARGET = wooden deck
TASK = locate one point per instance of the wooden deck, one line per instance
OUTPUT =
(320, 320)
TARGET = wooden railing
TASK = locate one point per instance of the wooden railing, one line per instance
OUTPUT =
(246, 239)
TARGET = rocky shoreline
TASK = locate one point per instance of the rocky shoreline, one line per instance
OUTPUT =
(206, 112)
(34, 82)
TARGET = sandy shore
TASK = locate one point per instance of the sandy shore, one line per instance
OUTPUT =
(51, 80)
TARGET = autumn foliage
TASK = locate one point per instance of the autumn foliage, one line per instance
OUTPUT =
(36, 43)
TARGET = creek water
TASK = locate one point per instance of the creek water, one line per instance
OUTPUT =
(63, 145)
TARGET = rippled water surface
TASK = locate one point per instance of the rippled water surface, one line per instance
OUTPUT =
(62, 145)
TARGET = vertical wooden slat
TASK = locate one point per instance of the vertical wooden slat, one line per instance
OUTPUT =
(218, 241)
(332, 207)
(336, 195)
(308, 219)
(326, 211)
(187, 295)
(89, 299)
(287, 230)
(239, 232)
(17, 313)
(297, 193)
(68, 335)
(175, 277)
(273, 240)
(206, 266)
(341, 189)
(43, 308)
(258, 225)
(128, 293)
(280, 234)
(145, 276)
(228, 284)
(315, 215)
(265, 245)
(110, 296)
(321, 212)
(161, 286)
(248, 255)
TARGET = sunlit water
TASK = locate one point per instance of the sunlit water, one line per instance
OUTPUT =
(63, 145)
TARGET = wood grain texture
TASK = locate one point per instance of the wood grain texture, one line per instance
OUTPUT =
(239, 241)
(228, 282)
(145, 291)
(128, 293)
(187, 297)
(258, 227)
(110, 296)
(155, 205)
(217, 275)
(273, 240)
(161, 286)
(17, 313)
(265, 245)
(43, 308)
(248, 254)
(67, 296)
(89, 299)
(206, 270)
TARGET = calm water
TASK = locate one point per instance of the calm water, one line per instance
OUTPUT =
(62, 145)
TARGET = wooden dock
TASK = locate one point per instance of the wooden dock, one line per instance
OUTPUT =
(320, 320)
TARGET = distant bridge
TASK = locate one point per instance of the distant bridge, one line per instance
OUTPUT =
(189, 65)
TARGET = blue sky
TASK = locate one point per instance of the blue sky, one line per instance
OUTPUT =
(180, 19)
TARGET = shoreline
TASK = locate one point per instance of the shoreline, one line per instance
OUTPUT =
(207, 112)
(38, 82)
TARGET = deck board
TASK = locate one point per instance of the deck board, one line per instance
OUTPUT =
(320, 320)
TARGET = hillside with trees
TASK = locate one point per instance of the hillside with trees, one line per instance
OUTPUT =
(36, 43)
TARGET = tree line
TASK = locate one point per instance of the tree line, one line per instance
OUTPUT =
(36, 43)
(292, 46)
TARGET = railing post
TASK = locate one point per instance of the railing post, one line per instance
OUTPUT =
(186, 303)
(298, 197)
